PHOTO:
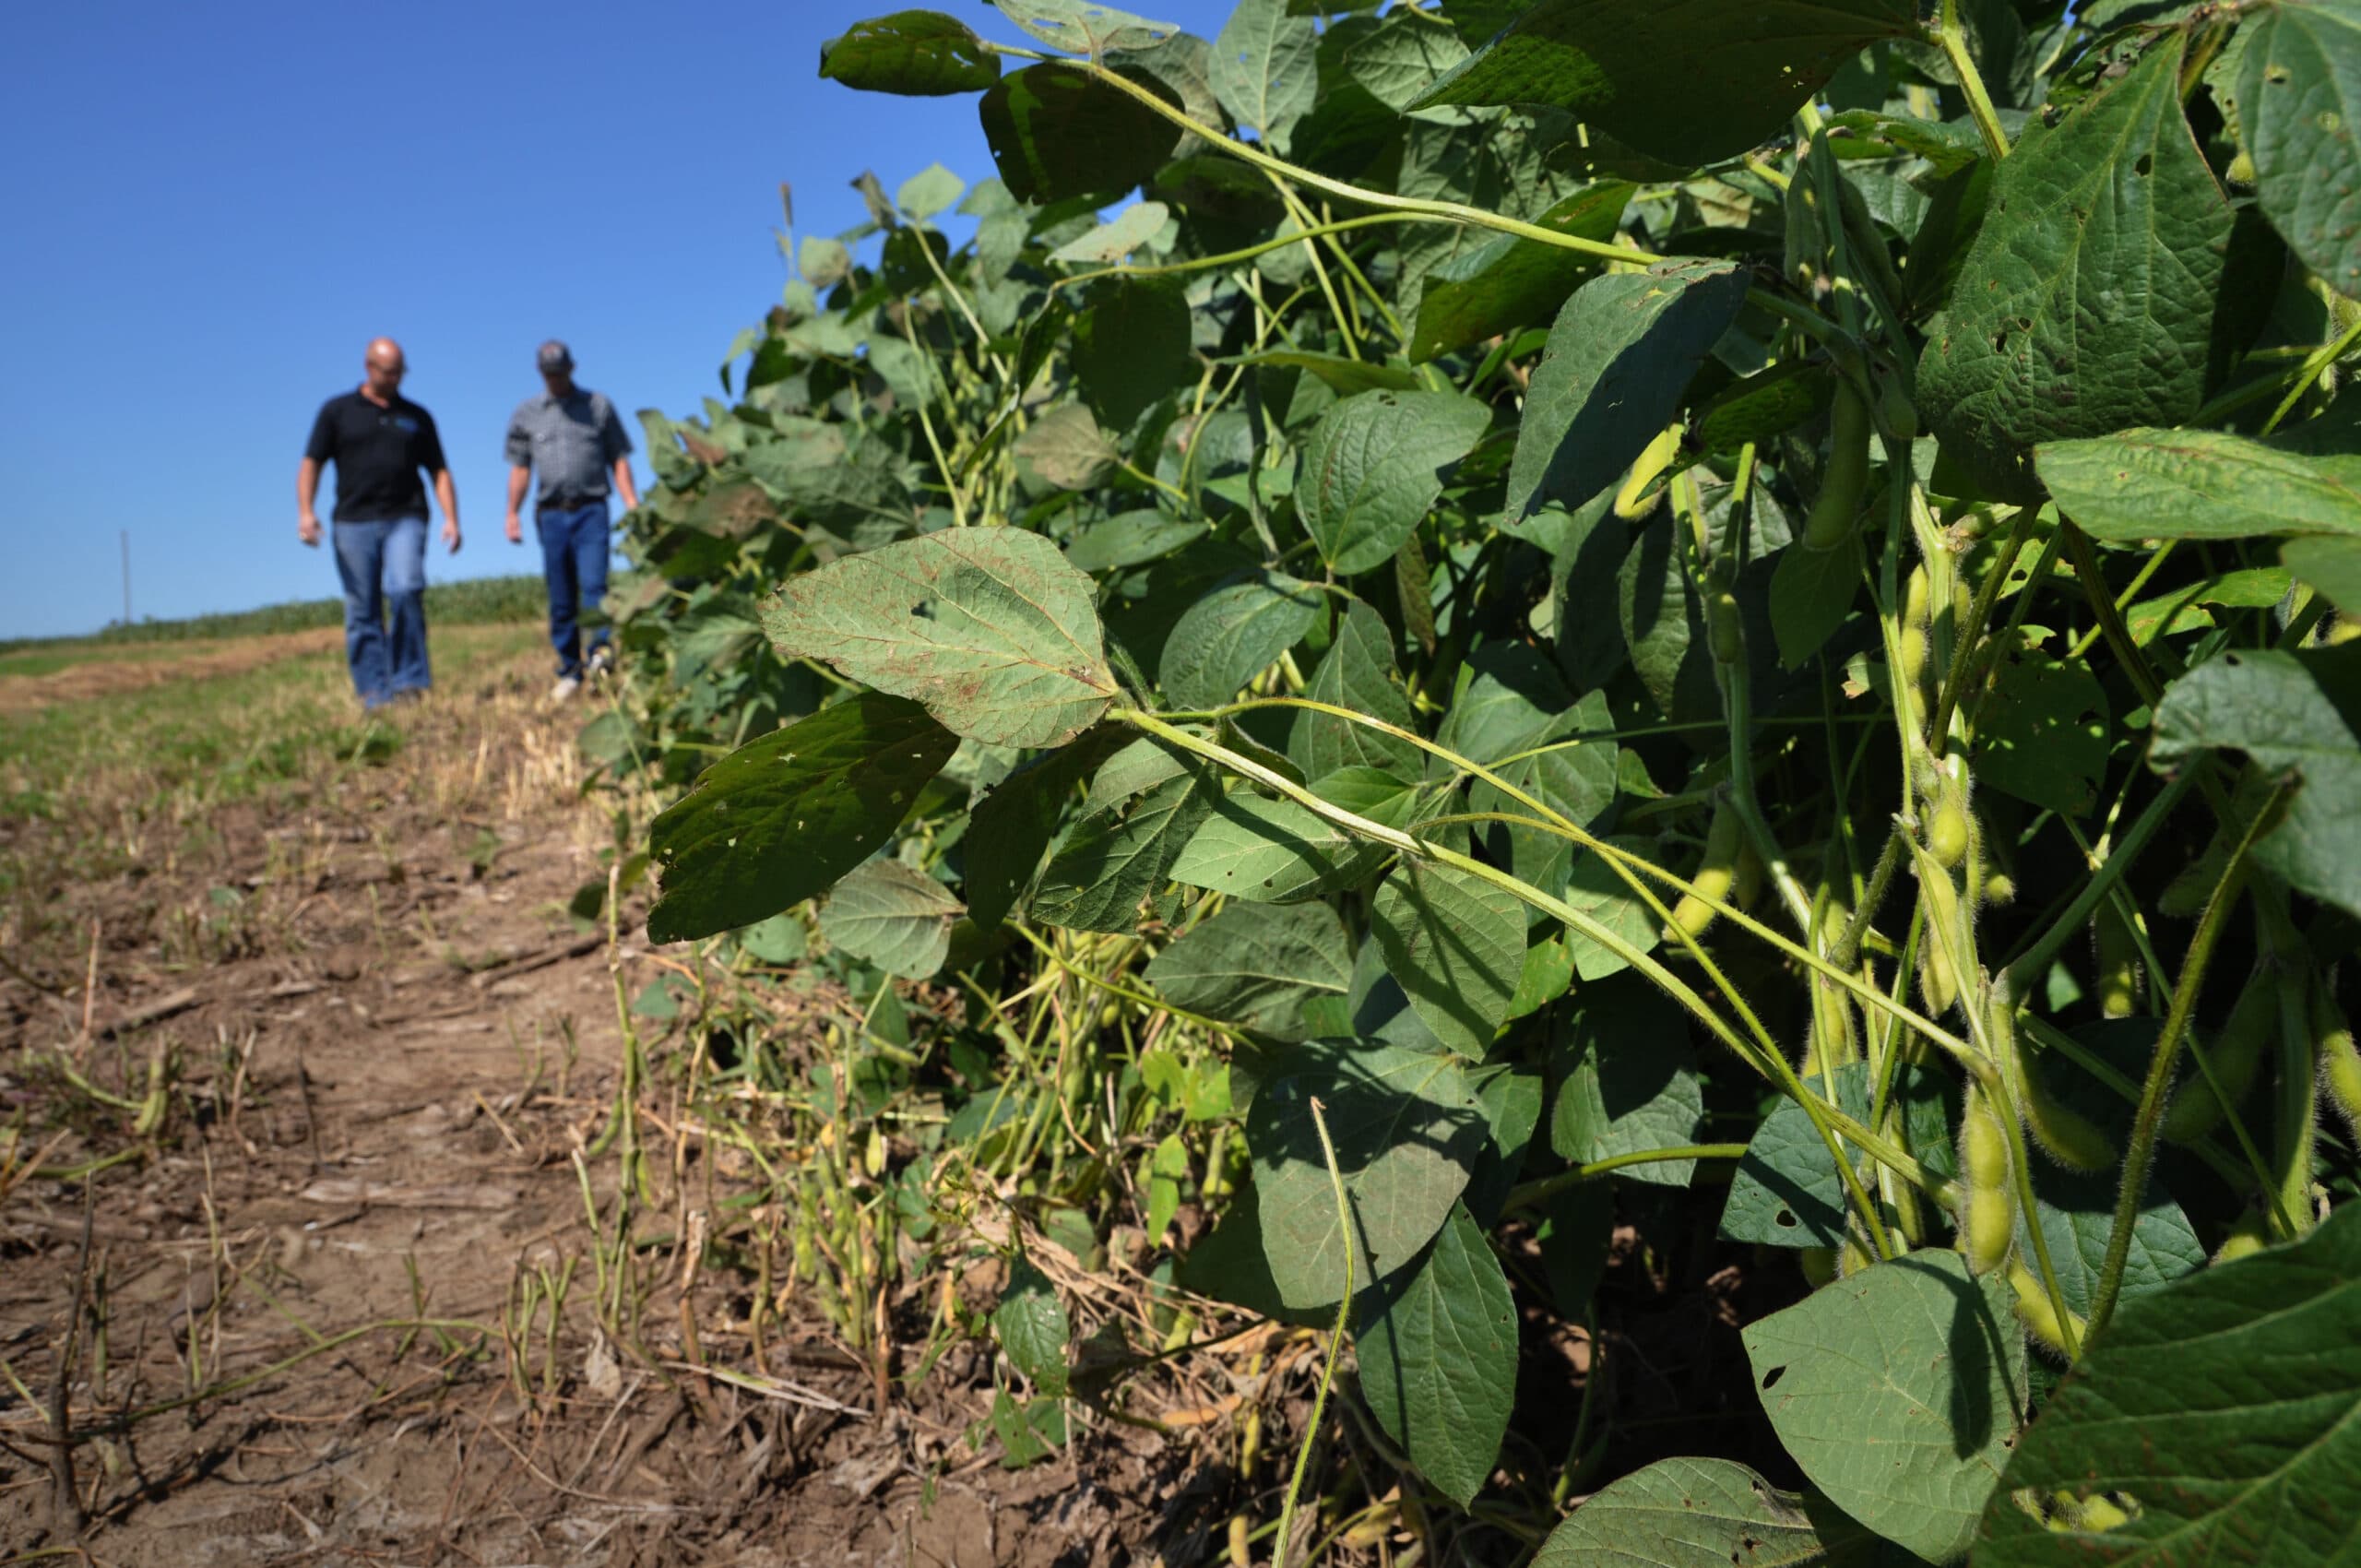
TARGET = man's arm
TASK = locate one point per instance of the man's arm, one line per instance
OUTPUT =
(617, 447)
(625, 487)
(520, 475)
(448, 494)
(307, 490)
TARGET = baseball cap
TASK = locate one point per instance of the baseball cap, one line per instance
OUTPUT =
(555, 356)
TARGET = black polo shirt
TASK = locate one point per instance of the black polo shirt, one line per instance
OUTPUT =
(378, 452)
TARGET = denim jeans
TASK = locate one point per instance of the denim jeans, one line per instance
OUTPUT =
(575, 542)
(383, 567)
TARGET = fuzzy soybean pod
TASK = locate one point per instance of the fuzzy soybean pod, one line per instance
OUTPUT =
(2064, 1133)
(2295, 1107)
(1713, 877)
(1948, 940)
(2236, 1056)
(2340, 1059)
(1946, 821)
(2117, 954)
(1636, 500)
(1836, 511)
(1990, 1222)
(2038, 1312)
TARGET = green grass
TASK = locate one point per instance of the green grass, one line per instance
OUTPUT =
(475, 601)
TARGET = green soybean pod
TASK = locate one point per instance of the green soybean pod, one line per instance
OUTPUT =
(2340, 1059)
(1836, 510)
(2296, 1104)
(1947, 827)
(1989, 1224)
(1636, 500)
(2064, 1133)
(2119, 960)
(1724, 629)
(2038, 1311)
(1946, 940)
(1713, 877)
(2236, 1057)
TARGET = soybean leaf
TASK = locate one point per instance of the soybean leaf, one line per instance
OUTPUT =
(1897, 1391)
(1059, 134)
(2042, 735)
(1257, 965)
(1741, 66)
(2294, 714)
(1373, 465)
(1270, 851)
(1576, 781)
(1131, 346)
(1620, 354)
(1456, 946)
(1144, 807)
(1030, 1324)
(1130, 538)
(990, 628)
(2329, 565)
(2077, 1214)
(1066, 447)
(2087, 300)
(1548, 971)
(1596, 889)
(783, 817)
(1229, 1264)
(1400, 58)
(1627, 1082)
(2218, 1420)
(1345, 377)
(1010, 827)
(1786, 1192)
(931, 190)
(1357, 671)
(1437, 1348)
(1511, 697)
(1664, 625)
(1265, 69)
(1085, 27)
(1234, 634)
(1407, 1129)
(1811, 592)
(2184, 608)
(1511, 1102)
(2140, 484)
(895, 916)
(1029, 1433)
(919, 52)
(2299, 93)
(1508, 282)
(1697, 1514)
(1110, 243)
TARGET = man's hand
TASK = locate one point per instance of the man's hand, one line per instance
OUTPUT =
(307, 528)
(451, 534)
(516, 528)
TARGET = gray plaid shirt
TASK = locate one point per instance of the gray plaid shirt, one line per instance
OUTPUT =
(572, 442)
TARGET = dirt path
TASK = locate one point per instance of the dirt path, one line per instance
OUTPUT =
(386, 1066)
(138, 666)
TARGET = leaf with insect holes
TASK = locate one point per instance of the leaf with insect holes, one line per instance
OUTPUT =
(990, 628)
(918, 53)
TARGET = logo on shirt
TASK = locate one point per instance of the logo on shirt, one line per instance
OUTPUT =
(409, 425)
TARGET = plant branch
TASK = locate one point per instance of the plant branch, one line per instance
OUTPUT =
(2149, 1115)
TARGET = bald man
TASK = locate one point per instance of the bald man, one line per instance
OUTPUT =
(380, 443)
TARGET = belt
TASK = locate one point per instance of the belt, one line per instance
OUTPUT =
(570, 502)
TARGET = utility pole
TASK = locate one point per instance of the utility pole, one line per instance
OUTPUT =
(126, 577)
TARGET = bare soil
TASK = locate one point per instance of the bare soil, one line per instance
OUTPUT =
(387, 1064)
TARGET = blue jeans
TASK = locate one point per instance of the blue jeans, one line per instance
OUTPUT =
(575, 542)
(382, 567)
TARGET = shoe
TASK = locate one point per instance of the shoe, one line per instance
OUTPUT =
(565, 688)
(601, 664)
(408, 694)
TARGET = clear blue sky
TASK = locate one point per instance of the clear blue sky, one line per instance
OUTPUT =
(217, 206)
